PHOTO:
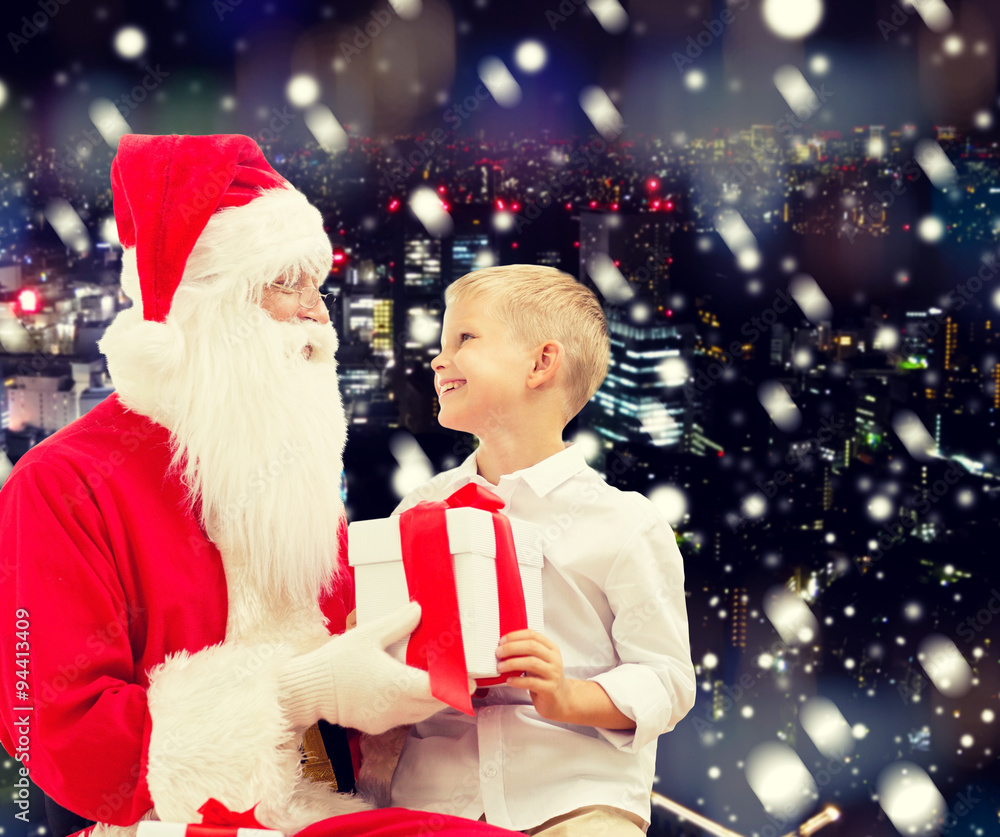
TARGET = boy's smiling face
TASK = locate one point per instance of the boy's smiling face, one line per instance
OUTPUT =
(480, 373)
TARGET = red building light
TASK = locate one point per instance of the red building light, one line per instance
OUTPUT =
(29, 301)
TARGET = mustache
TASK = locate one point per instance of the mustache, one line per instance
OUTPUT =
(305, 337)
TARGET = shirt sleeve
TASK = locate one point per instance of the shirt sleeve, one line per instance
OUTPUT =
(654, 684)
(88, 726)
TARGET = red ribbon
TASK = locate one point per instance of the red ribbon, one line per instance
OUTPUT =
(436, 645)
(214, 815)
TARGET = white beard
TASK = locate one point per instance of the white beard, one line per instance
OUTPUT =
(258, 433)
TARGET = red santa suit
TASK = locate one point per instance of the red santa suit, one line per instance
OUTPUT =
(161, 667)
(115, 574)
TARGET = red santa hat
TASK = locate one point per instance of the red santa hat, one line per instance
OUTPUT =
(167, 189)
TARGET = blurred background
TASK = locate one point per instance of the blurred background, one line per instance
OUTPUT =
(790, 209)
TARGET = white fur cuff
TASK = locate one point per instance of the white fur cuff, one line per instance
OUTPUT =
(218, 731)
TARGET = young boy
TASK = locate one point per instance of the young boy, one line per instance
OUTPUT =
(570, 747)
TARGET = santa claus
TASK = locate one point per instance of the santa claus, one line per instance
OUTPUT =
(166, 555)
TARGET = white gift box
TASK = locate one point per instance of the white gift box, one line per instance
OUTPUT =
(376, 554)
(155, 828)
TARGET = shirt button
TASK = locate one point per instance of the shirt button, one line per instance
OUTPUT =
(490, 772)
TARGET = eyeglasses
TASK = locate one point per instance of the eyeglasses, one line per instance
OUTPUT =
(308, 296)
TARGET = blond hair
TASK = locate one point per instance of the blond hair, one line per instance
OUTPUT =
(537, 304)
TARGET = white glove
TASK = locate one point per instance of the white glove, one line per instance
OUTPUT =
(350, 680)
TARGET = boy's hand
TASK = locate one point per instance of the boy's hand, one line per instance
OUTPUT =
(555, 696)
(540, 660)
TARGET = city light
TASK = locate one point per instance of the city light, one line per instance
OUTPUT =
(29, 301)
(812, 407)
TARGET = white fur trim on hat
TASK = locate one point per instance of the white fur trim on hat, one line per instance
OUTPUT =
(275, 231)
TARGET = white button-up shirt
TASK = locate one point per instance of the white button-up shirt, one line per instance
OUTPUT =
(613, 601)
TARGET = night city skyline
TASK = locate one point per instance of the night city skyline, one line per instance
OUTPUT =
(795, 239)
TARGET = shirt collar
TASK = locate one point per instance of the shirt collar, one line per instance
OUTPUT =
(542, 477)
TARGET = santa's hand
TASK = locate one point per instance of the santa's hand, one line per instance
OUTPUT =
(353, 682)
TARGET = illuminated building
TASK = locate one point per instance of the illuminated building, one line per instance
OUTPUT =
(368, 320)
(422, 269)
(50, 402)
(467, 253)
(635, 403)
(382, 330)
(876, 142)
(638, 244)
(870, 434)
(760, 136)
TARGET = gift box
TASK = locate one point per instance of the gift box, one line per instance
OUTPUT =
(375, 551)
(216, 821)
(155, 828)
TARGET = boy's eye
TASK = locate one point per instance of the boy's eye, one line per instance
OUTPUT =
(463, 337)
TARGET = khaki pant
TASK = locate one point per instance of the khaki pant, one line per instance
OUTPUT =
(593, 821)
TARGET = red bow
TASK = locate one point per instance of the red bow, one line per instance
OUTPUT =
(214, 813)
(436, 645)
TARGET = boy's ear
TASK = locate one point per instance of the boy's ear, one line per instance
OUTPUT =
(548, 357)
